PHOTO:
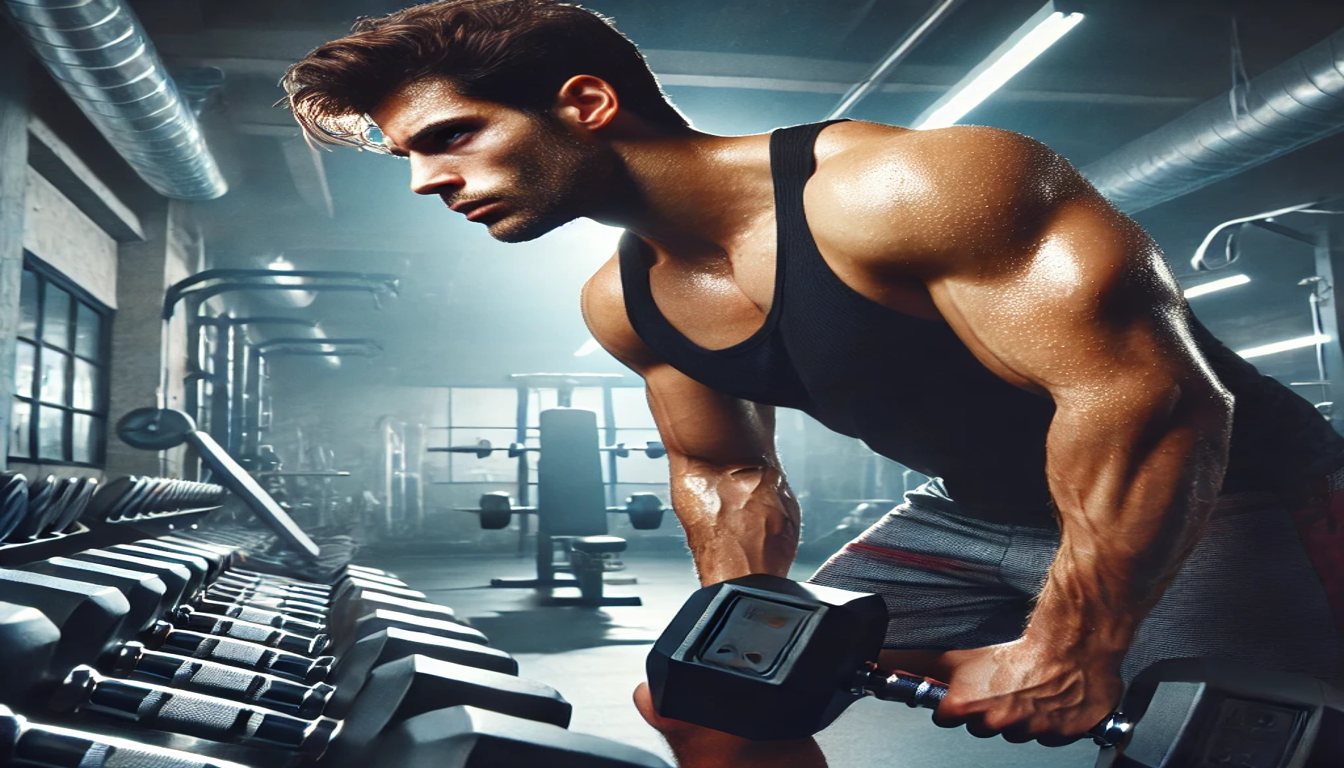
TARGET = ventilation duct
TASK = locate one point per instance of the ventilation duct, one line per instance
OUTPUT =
(100, 55)
(1296, 103)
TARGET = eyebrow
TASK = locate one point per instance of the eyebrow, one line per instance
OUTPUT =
(426, 131)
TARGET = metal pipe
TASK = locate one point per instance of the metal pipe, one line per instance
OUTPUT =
(1292, 105)
(895, 56)
(99, 54)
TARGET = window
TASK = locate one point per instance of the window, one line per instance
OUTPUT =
(59, 413)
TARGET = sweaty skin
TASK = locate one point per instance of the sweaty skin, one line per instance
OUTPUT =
(1049, 286)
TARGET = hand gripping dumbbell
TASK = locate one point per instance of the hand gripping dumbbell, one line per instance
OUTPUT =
(45, 746)
(767, 658)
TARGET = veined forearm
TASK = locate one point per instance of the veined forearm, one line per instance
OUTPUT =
(1133, 493)
(737, 521)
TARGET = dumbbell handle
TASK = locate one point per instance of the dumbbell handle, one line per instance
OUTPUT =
(257, 615)
(305, 611)
(239, 653)
(48, 746)
(927, 693)
(224, 626)
(133, 660)
(205, 717)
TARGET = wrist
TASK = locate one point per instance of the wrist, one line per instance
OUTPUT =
(1081, 630)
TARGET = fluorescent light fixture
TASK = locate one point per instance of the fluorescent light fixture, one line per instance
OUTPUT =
(589, 347)
(1041, 31)
(1284, 346)
(1216, 285)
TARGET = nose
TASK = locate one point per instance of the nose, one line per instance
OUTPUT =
(430, 176)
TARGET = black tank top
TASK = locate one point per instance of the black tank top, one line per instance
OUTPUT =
(912, 391)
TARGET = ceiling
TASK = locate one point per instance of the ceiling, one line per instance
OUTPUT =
(473, 310)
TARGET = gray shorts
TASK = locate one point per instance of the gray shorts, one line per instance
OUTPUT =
(1252, 590)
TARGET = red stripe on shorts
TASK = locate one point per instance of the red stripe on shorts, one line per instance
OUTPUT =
(927, 562)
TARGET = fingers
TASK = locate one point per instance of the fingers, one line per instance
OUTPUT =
(985, 724)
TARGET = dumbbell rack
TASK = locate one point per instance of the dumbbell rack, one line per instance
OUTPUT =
(89, 534)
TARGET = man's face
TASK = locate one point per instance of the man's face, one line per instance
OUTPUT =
(519, 174)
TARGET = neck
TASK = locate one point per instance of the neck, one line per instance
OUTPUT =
(690, 195)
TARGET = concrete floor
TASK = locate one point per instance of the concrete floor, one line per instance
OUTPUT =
(595, 658)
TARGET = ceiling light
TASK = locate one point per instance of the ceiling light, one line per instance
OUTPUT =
(589, 347)
(1216, 285)
(1041, 31)
(1284, 346)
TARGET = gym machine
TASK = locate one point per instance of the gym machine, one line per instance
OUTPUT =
(572, 504)
(232, 362)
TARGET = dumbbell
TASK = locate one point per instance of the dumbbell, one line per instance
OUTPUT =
(13, 502)
(393, 692)
(469, 736)
(766, 658)
(305, 699)
(179, 575)
(42, 492)
(645, 510)
(45, 746)
(141, 580)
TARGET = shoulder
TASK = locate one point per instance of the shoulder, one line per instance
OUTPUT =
(603, 306)
(893, 194)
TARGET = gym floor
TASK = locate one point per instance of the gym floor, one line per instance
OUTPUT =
(595, 658)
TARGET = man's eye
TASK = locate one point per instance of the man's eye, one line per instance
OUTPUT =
(449, 137)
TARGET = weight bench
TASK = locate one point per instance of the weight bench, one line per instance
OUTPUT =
(571, 512)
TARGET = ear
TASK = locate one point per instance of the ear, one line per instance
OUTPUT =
(587, 101)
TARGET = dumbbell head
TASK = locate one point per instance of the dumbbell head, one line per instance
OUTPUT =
(28, 638)
(645, 510)
(469, 736)
(13, 502)
(91, 617)
(414, 685)
(79, 503)
(145, 592)
(394, 643)
(178, 579)
(765, 658)
(496, 510)
(40, 494)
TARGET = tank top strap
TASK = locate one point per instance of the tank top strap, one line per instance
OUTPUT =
(792, 163)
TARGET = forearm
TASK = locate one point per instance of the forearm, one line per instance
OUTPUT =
(1133, 484)
(737, 520)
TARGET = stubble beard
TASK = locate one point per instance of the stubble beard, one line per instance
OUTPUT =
(559, 179)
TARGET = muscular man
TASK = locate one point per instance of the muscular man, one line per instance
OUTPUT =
(960, 299)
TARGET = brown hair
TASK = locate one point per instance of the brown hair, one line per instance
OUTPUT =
(512, 52)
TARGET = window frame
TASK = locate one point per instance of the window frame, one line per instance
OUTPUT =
(101, 362)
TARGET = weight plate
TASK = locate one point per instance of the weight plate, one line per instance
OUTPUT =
(13, 502)
(154, 429)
